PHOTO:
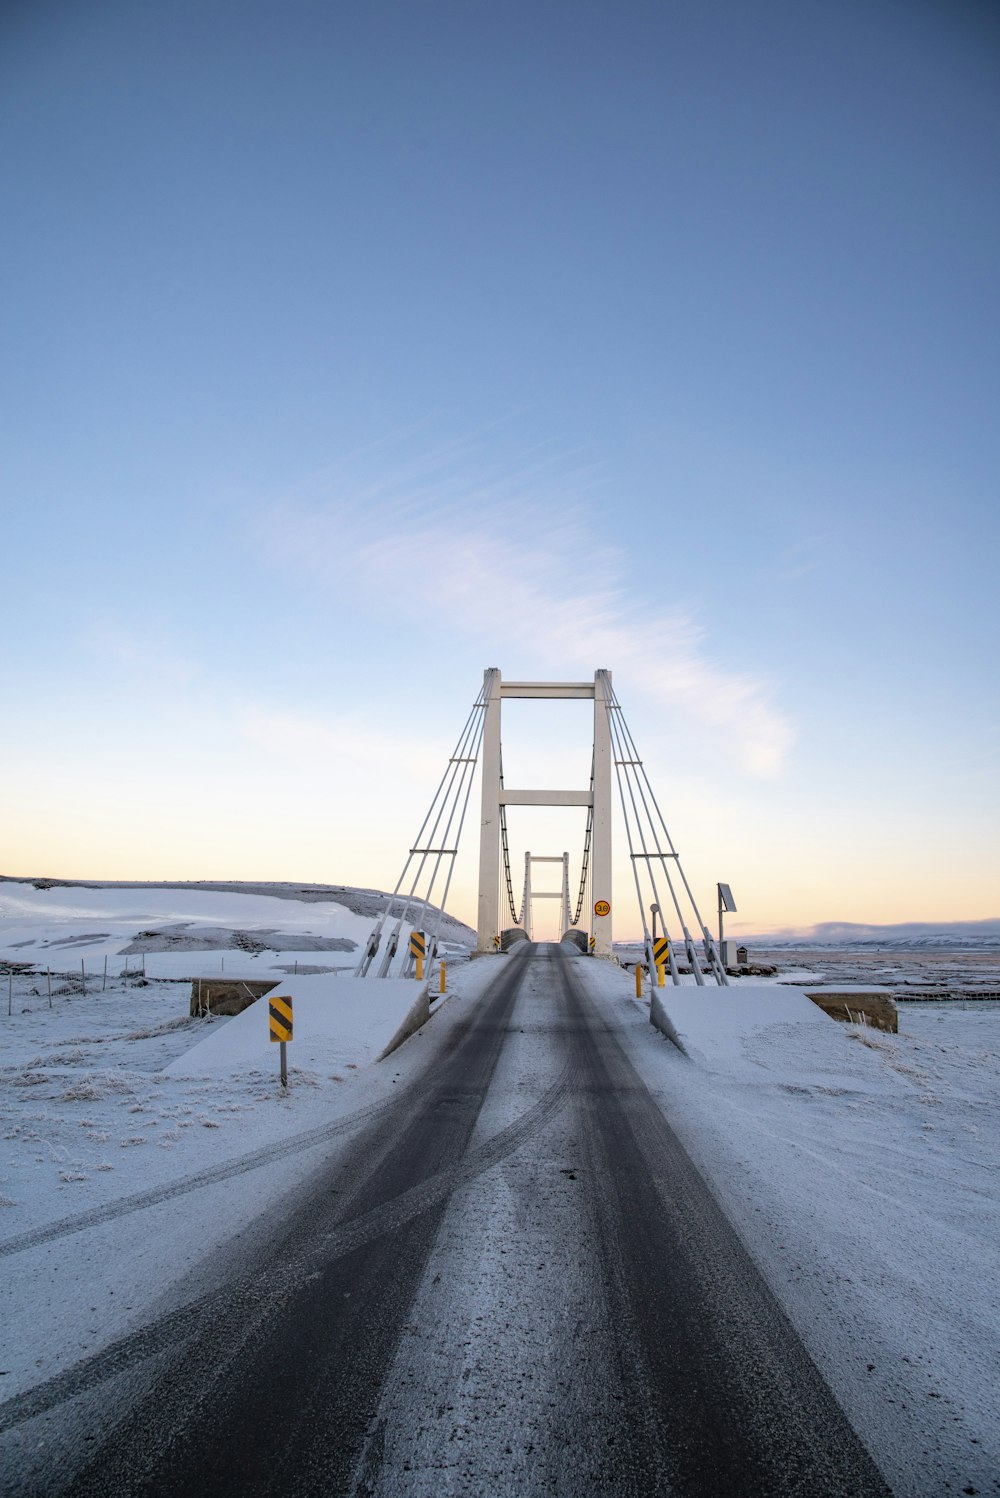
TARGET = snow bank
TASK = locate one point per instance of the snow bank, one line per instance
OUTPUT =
(336, 1020)
(713, 1024)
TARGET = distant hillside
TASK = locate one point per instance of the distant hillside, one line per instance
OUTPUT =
(364, 902)
(912, 933)
(143, 916)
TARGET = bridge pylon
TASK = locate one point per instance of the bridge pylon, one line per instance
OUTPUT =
(496, 797)
(526, 921)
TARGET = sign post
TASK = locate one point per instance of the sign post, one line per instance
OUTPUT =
(727, 905)
(661, 955)
(418, 946)
(280, 1026)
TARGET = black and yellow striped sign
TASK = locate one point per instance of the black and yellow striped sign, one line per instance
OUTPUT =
(280, 1016)
(418, 944)
(661, 949)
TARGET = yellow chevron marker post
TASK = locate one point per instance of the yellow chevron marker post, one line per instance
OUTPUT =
(279, 1013)
(661, 949)
(418, 946)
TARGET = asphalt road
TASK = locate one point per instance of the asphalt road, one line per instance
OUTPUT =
(512, 1281)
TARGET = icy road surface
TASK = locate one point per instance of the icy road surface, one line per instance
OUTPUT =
(510, 1279)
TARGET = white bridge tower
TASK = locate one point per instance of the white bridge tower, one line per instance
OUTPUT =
(496, 796)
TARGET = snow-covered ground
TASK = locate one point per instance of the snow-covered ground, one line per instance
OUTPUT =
(859, 1167)
(861, 1170)
(82, 1077)
(118, 1168)
(118, 1173)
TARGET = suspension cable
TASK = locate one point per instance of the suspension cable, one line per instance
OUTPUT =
(647, 830)
(452, 791)
(506, 851)
(462, 768)
(585, 863)
(451, 866)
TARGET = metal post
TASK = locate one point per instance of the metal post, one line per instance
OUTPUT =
(83, 977)
(726, 903)
(104, 982)
(489, 832)
(10, 989)
(48, 978)
(283, 1048)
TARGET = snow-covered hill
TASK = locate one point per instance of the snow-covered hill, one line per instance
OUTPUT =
(188, 930)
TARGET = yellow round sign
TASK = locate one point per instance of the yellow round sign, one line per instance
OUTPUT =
(602, 908)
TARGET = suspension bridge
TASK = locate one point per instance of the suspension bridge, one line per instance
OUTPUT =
(662, 891)
(503, 1272)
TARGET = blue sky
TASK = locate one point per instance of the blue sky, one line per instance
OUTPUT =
(348, 350)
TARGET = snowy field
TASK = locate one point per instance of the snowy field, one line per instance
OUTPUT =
(96, 1095)
(120, 1175)
(860, 1168)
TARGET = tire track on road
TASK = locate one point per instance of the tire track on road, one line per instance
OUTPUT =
(213, 1175)
(722, 1398)
(245, 1298)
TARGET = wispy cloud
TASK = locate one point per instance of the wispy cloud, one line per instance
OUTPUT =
(339, 744)
(802, 557)
(143, 656)
(523, 556)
